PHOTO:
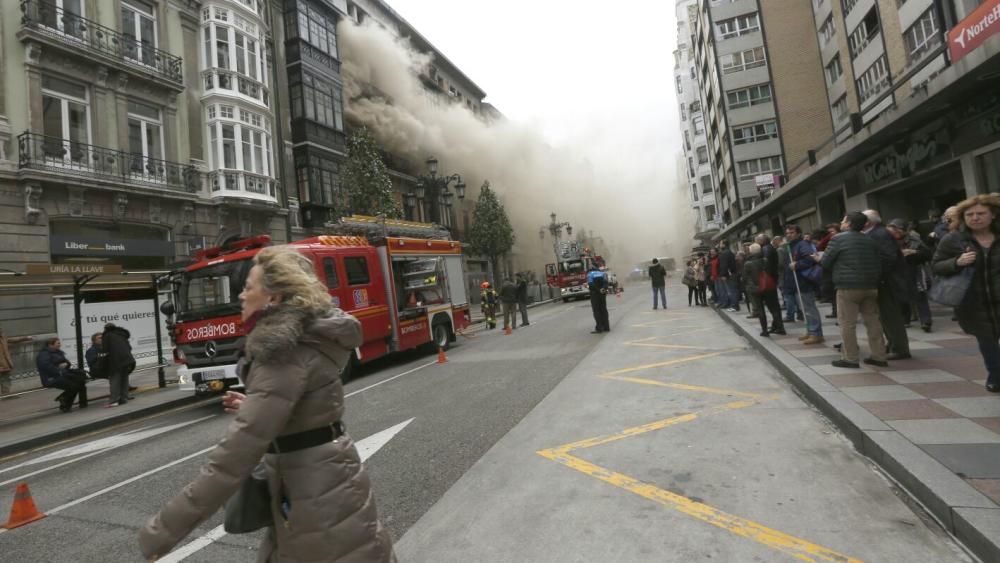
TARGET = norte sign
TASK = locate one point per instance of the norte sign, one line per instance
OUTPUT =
(974, 30)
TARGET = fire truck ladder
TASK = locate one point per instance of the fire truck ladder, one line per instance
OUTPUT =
(375, 228)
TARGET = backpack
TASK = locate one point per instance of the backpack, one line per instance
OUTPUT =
(99, 370)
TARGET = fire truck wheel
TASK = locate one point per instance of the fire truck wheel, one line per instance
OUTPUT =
(442, 335)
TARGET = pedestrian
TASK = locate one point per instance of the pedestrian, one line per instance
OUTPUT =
(597, 282)
(94, 352)
(762, 287)
(856, 267)
(690, 281)
(801, 259)
(891, 289)
(699, 276)
(975, 243)
(712, 275)
(828, 293)
(7, 363)
(729, 285)
(120, 363)
(658, 279)
(56, 372)
(522, 299)
(917, 274)
(508, 300)
(786, 284)
(744, 292)
(769, 298)
(488, 304)
(944, 225)
(297, 344)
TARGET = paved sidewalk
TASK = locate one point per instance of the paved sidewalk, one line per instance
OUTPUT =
(32, 418)
(928, 421)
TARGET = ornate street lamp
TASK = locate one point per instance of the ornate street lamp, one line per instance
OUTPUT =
(434, 189)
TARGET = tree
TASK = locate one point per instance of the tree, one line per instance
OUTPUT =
(369, 188)
(491, 234)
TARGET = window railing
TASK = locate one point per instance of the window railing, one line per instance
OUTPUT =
(217, 78)
(48, 18)
(242, 181)
(41, 152)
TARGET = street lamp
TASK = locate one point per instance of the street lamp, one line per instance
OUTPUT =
(555, 229)
(434, 189)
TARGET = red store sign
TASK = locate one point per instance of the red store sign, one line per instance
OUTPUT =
(974, 30)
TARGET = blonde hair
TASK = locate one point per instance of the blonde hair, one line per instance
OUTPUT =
(755, 248)
(292, 276)
(956, 219)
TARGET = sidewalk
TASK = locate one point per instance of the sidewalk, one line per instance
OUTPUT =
(927, 421)
(32, 418)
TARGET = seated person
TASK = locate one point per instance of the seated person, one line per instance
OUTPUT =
(54, 371)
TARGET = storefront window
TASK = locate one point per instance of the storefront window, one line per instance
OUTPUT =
(989, 168)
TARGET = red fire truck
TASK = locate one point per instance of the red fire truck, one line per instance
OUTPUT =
(404, 281)
(570, 275)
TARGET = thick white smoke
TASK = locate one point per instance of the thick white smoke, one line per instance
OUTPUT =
(617, 190)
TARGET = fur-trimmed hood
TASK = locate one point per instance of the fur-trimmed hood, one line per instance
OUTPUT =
(284, 327)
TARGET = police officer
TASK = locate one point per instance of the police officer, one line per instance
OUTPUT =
(488, 304)
(597, 281)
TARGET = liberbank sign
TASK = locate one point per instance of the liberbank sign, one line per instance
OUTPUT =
(61, 245)
(974, 30)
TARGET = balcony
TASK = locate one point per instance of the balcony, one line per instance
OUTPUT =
(228, 82)
(39, 152)
(70, 32)
(240, 183)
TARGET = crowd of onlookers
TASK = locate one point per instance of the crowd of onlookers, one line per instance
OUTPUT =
(886, 272)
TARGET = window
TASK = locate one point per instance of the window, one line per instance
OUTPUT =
(840, 108)
(750, 58)
(680, 86)
(706, 184)
(65, 120)
(755, 132)
(751, 96)
(65, 17)
(827, 30)
(694, 192)
(867, 29)
(735, 27)
(702, 155)
(314, 26)
(709, 213)
(747, 169)
(848, 5)
(922, 36)
(145, 139)
(222, 47)
(318, 100)
(699, 124)
(872, 80)
(833, 70)
(357, 270)
(330, 271)
(139, 26)
(318, 180)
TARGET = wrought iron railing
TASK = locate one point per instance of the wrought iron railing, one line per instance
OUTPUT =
(241, 181)
(46, 17)
(63, 155)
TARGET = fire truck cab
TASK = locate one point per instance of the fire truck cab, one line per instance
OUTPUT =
(569, 275)
(406, 291)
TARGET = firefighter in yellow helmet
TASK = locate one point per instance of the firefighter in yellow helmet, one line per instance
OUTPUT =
(488, 303)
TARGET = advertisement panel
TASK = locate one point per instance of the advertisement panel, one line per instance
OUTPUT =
(974, 30)
(135, 316)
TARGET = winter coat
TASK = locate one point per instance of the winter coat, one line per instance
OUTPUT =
(115, 344)
(689, 276)
(752, 267)
(782, 264)
(47, 363)
(508, 292)
(801, 252)
(727, 263)
(713, 265)
(854, 260)
(658, 275)
(699, 273)
(292, 375)
(979, 313)
(522, 292)
(893, 268)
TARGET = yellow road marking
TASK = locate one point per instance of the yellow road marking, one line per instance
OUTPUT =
(686, 387)
(670, 362)
(667, 346)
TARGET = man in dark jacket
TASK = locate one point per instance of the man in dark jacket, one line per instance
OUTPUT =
(727, 275)
(522, 299)
(597, 281)
(856, 265)
(95, 351)
(801, 257)
(120, 362)
(658, 278)
(891, 288)
(54, 371)
(508, 299)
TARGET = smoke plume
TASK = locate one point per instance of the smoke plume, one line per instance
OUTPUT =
(618, 190)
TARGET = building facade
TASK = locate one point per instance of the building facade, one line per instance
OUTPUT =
(911, 91)
(762, 95)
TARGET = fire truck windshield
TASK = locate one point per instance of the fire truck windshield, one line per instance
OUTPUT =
(571, 267)
(212, 291)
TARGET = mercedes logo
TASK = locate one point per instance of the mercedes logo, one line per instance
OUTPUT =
(210, 349)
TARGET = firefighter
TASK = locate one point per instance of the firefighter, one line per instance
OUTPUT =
(597, 281)
(488, 303)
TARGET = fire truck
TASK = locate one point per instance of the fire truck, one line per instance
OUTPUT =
(569, 276)
(404, 281)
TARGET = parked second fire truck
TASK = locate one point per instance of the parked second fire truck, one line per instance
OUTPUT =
(570, 274)
(404, 281)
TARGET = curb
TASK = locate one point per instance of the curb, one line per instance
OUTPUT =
(88, 427)
(971, 517)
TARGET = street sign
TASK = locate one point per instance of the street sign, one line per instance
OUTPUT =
(73, 269)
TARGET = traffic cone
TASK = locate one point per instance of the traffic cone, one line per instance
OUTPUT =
(507, 331)
(24, 510)
(442, 359)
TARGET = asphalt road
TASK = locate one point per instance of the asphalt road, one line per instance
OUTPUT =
(99, 489)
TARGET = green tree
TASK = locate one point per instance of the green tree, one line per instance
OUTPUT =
(369, 188)
(491, 234)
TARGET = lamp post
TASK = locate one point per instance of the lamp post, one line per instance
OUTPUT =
(434, 190)
(555, 229)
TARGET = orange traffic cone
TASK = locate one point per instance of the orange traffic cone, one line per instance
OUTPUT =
(24, 510)
(507, 331)
(442, 359)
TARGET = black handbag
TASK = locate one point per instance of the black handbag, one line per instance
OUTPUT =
(250, 508)
(951, 290)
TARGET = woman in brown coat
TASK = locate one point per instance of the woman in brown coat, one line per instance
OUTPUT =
(321, 499)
